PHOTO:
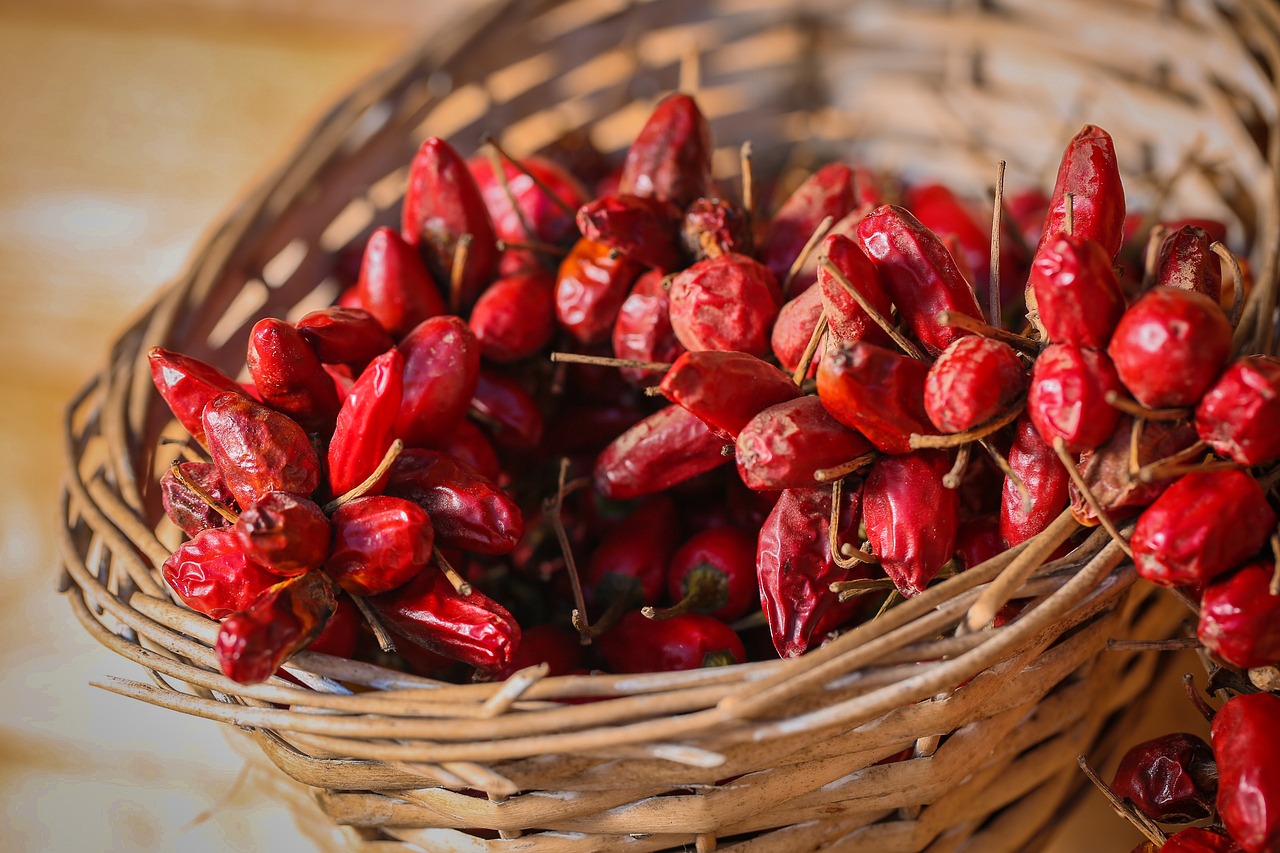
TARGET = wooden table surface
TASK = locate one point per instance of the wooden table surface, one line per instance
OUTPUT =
(127, 131)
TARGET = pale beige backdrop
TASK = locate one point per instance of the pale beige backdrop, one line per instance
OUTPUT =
(126, 128)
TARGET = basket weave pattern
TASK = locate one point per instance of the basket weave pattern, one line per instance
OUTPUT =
(775, 756)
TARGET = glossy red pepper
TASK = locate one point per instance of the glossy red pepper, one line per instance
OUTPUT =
(911, 518)
(289, 377)
(846, 227)
(187, 385)
(467, 510)
(784, 445)
(1238, 415)
(978, 539)
(726, 389)
(1170, 779)
(630, 563)
(1246, 744)
(793, 328)
(379, 543)
(1240, 618)
(341, 632)
(441, 369)
(849, 322)
(592, 283)
(1041, 472)
(642, 330)
(876, 392)
(507, 409)
(441, 204)
(473, 628)
(714, 572)
(1197, 840)
(366, 423)
(646, 230)
(1106, 469)
(713, 226)
(973, 381)
(1077, 292)
(394, 286)
(919, 275)
(691, 641)
(668, 447)
(670, 159)
(185, 508)
(559, 648)
(549, 221)
(211, 574)
(725, 303)
(827, 192)
(286, 534)
(1089, 172)
(350, 336)
(516, 316)
(1067, 398)
(1186, 262)
(470, 446)
(258, 450)
(252, 644)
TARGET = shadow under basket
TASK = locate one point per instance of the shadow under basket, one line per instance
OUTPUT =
(770, 756)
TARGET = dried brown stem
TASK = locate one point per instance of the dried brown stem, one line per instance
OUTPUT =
(1197, 700)
(1172, 645)
(538, 182)
(1274, 588)
(1003, 464)
(748, 182)
(460, 252)
(1069, 222)
(898, 338)
(460, 585)
(580, 620)
(369, 482)
(1237, 281)
(531, 246)
(604, 361)
(959, 439)
(997, 212)
(380, 632)
(951, 480)
(1060, 448)
(802, 369)
(844, 469)
(978, 327)
(798, 264)
(1135, 446)
(1151, 473)
(195, 488)
(1132, 407)
(1155, 239)
(500, 172)
(852, 589)
(855, 557)
(1140, 822)
(1153, 470)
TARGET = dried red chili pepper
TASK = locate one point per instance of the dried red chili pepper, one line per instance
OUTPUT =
(726, 389)
(713, 226)
(441, 369)
(187, 509)
(515, 317)
(212, 575)
(642, 330)
(1170, 346)
(725, 303)
(252, 644)
(1089, 172)
(187, 385)
(258, 450)
(1170, 779)
(848, 321)
(350, 336)
(1246, 744)
(591, 285)
(1186, 262)
(341, 632)
(506, 408)
(286, 534)
(1036, 464)
(827, 192)
(630, 563)
(974, 380)
(366, 423)
(1238, 415)
(467, 510)
(1107, 471)
(559, 648)
(549, 221)
(587, 428)
(1240, 618)
(876, 392)
(1197, 840)
(784, 445)
(1076, 290)
(691, 641)
(470, 446)
(379, 543)
(1182, 538)
(646, 230)
(394, 286)
(668, 447)
(1067, 398)
(473, 628)
(441, 204)
(795, 568)
(714, 572)
(791, 331)
(289, 377)
(919, 275)
(911, 518)
(978, 539)
(670, 159)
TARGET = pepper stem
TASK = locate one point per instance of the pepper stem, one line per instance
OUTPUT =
(844, 469)
(461, 250)
(1154, 470)
(1274, 587)
(602, 361)
(997, 211)
(580, 621)
(216, 505)
(802, 367)
(973, 324)
(748, 182)
(1189, 687)
(500, 172)
(706, 590)
(1069, 221)
(1132, 407)
(1060, 448)
(1237, 281)
(1155, 239)
(488, 139)
(1006, 469)
(530, 246)
(960, 439)
(951, 480)
(798, 264)
(380, 633)
(861, 586)
(845, 556)
(460, 585)
(369, 482)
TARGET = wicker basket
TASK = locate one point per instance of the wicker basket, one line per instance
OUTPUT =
(777, 756)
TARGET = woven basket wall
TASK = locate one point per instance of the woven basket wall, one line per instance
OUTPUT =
(777, 756)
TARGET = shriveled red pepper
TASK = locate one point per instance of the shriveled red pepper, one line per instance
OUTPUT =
(668, 447)
(1170, 779)
(441, 369)
(725, 303)
(691, 641)
(1197, 840)
(713, 226)
(286, 534)
(258, 450)
(973, 381)
(187, 385)
(646, 230)
(1077, 292)
(1067, 398)
(252, 644)
(670, 159)
(849, 322)
(1106, 470)
(549, 221)
(508, 410)
(429, 612)
(1240, 618)
(515, 317)
(467, 510)
(211, 574)
(187, 509)
(289, 377)
(1036, 465)
(350, 336)
(630, 563)
(441, 204)
(726, 389)
(380, 542)
(1246, 744)
(919, 274)
(911, 518)
(876, 392)
(642, 330)
(394, 285)
(1187, 262)
(827, 192)
(366, 423)
(784, 445)
(559, 648)
(1238, 415)
(592, 283)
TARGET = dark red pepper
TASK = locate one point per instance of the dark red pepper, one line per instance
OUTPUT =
(516, 316)
(549, 221)
(341, 632)
(252, 644)
(784, 445)
(670, 159)
(630, 563)
(507, 409)
(211, 574)
(726, 389)
(668, 447)
(691, 641)
(642, 330)
(592, 283)
(258, 450)
(1246, 744)
(793, 329)
(1238, 415)
(911, 518)
(441, 369)
(467, 510)
(876, 392)
(187, 385)
(1187, 262)
(978, 539)
(470, 446)
(559, 648)
(714, 572)
(725, 303)
(286, 534)
(646, 230)
(827, 192)
(1240, 618)
(187, 509)
(849, 322)
(1170, 779)
(394, 286)
(1197, 840)
(350, 336)
(366, 423)
(379, 543)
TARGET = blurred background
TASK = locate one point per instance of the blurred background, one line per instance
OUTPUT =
(129, 128)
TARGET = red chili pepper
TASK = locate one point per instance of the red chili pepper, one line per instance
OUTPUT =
(919, 274)
(258, 450)
(1028, 210)
(713, 226)
(366, 423)
(587, 428)
(911, 518)
(1170, 346)
(827, 192)
(849, 322)
(978, 539)
(591, 285)
(515, 317)
(726, 389)
(794, 566)
(473, 629)
(1186, 262)
(1076, 290)
(725, 303)
(286, 534)
(441, 204)
(1240, 618)
(793, 328)
(646, 230)
(187, 385)
(1197, 840)
(185, 508)
(211, 574)
(350, 336)
(394, 286)
(630, 563)
(467, 510)
(668, 447)
(547, 219)
(560, 648)
(341, 633)
(1238, 415)
(289, 376)
(670, 159)
(512, 415)
(1108, 474)
(1041, 472)
(691, 641)
(1170, 779)
(470, 446)
(1067, 399)
(441, 369)
(379, 543)
(877, 392)
(784, 445)
(973, 381)
(1090, 173)
(1246, 744)
(642, 330)
(252, 644)
(714, 572)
